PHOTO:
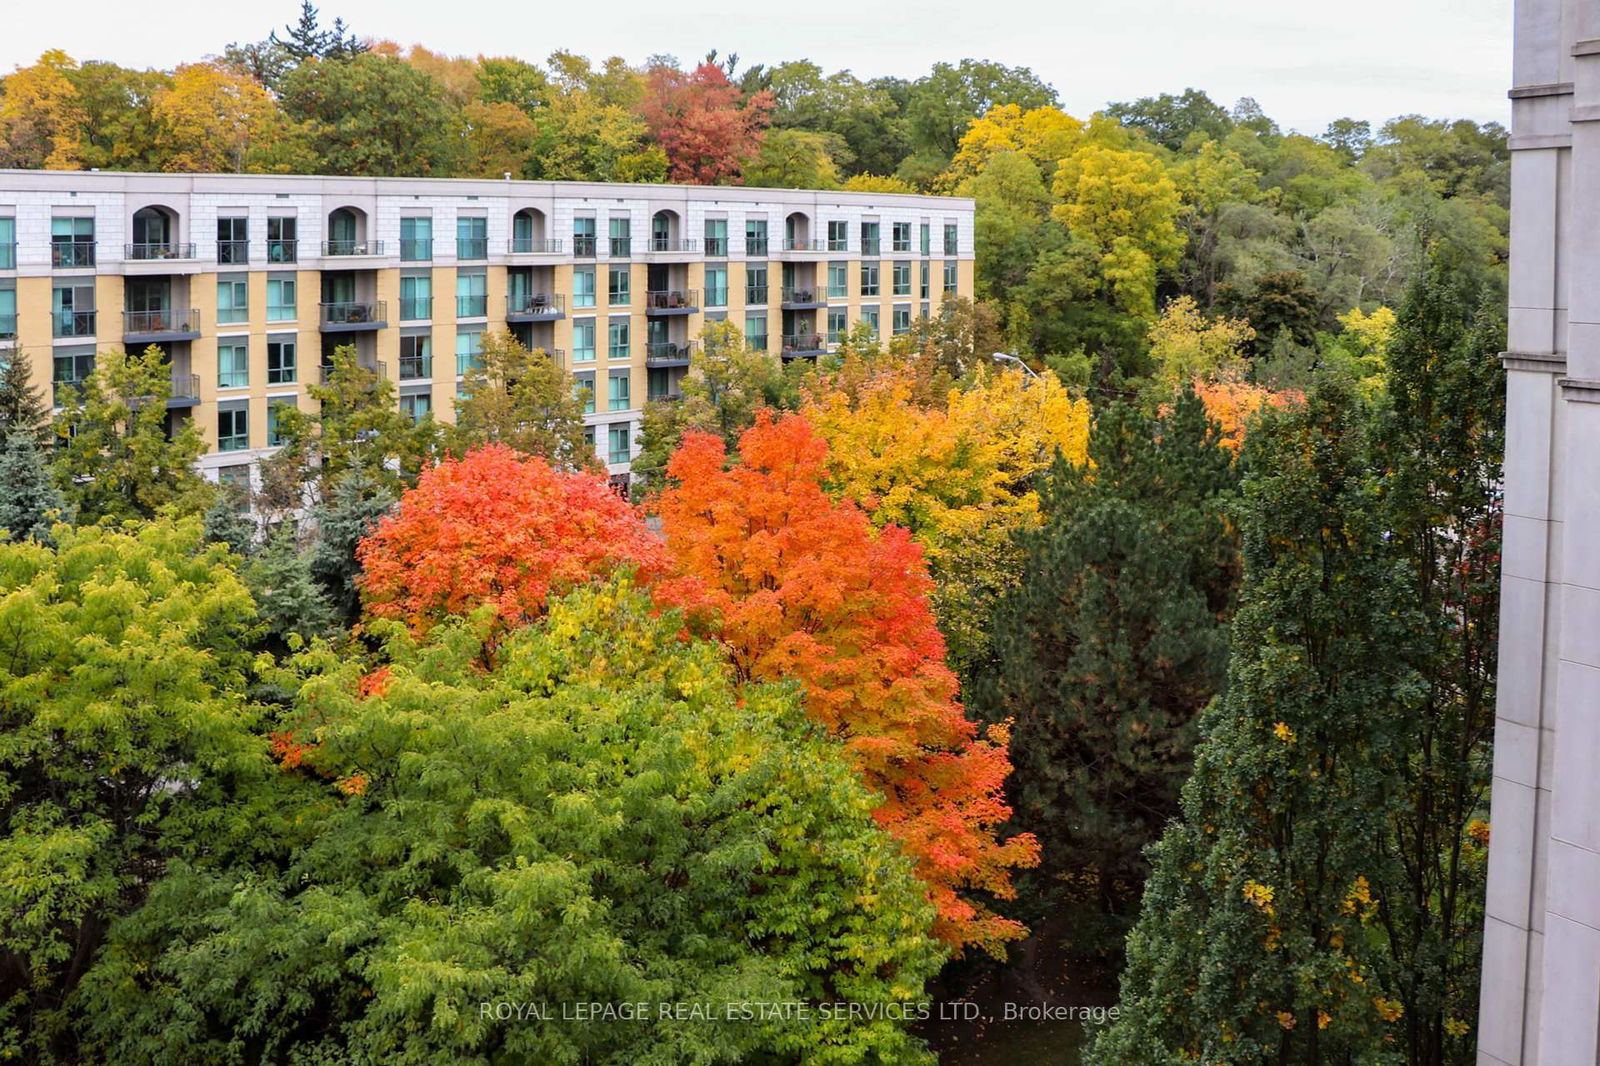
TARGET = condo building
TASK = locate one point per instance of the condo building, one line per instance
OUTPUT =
(249, 282)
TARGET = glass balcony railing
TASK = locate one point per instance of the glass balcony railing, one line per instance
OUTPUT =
(352, 247)
(185, 390)
(8, 255)
(8, 327)
(534, 246)
(414, 367)
(674, 244)
(717, 247)
(804, 244)
(621, 247)
(669, 351)
(535, 303)
(351, 313)
(158, 250)
(672, 300)
(870, 245)
(801, 294)
(794, 343)
(416, 309)
(416, 249)
(582, 246)
(472, 247)
(756, 246)
(476, 306)
(755, 294)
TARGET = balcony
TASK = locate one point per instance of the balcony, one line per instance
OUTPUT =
(472, 247)
(339, 248)
(378, 367)
(717, 247)
(354, 317)
(283, 251)
(582, 246)
(155, 327)
(74, 323)
(233, 253)
(803, 297)
(416, 309)
(535, 306)
(185, 390)
(870, 245)
(71, 255)
(673, 244)
(416, 367)
(668, 353)
(802, 345)
(621, 247)
(534, 246)
(804, 244)
(158, 250)
(755, 246)
(416, 249)
(672, 302)
(755, 294)
(472, 306)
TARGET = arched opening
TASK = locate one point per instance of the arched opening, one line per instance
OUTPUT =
(155, 233)
(528, 231)
(665, 233)
(797, 231)
(347, 232)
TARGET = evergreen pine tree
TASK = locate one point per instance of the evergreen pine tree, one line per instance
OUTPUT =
(352, 513)
(21, 404)
(28, 495)
(1259, 940)
(291, 603)
(1115, 641)
(227, 524)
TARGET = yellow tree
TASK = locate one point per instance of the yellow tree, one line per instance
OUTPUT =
(955, 468)
(213, 119)
(41, 117)
(1045, 135)
(1125, 205)
(876, 183)
(1186, 345)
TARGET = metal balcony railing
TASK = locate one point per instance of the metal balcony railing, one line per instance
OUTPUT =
(621, 247)
(802, 294)
(472, 306)
(158, 250)
(755, 246)
(74, 323)
(283, 251)
(674, 244)
(352, 247)
(582, 246)
(672, 300)
(755, 294)
(8, 255)
(669, 352)
(472, 247)
(802, 342)
(804, 244)
(354, 313)
(534, 246)
(535, 303)
(185, 389)
(70, 254)
(416, 249)
(416, 308)
(166, 320)
(379, 367)
(233, 252)
(717, 247)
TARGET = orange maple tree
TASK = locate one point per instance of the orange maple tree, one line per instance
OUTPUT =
(501, 528)
(799, 586)
(1231, 403)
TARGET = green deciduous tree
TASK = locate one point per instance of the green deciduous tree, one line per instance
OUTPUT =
(372, 114)
(521, 399)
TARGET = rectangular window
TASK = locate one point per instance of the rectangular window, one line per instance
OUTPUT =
(620, 450)
(902, 236)
(275, 410)
(755, 331)
(73, 367)
(281, 306)
(416, 239)
(902, 320)
(416, 297)
(716, 237)
(950, 275)
(621, 237)
(869, 315)
(583, 341)
(583, 388)
(72, 242)
(949, 238)
(233, 299)
(472, 295)
(755, 236)
(716, 286)
(472, 237)
(233, 241)
(416, 357)
(73, 307)
(838, 236)
(869, 279)
(618, 399)
(869, 238)
(583, 238)
(617, 333)
(902, 279)
(927, 239)
(583, 286)
(926, 270)
(658, 383)
(838, 319)
(469, 351)
(755, 283)
(282, 245)
(620, 286)
(838, 280)
(8, 311)
(416, 405)
(8, 244)
(281, 369)
(233, 426)
(233, 364)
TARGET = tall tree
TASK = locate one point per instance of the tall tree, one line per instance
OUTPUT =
(213, 120)
(1171, 120)
(1117, 638)
(117, 458)
(41, 117)
(343, 519)
(799, 587)
(373, 115)
(29, 500)
(940, 104)
(523, 400)
(22, 406)
(293, 606)
(701, 120)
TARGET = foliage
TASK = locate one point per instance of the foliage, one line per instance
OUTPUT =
(30, 503)
(500, 529)
(370, 114)
(22, 406)
(1122, 203)
(1171, 121)
(706, 130)
(122, 673)
(799, 587)
(1231, 403)
(227, 522)
(585, 824)
(1187, 346)
(794, 159)
(212, 119)
(342, 521)
(521, 399)
(116, 459)
(293, 606)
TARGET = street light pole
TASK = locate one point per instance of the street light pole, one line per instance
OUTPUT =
(1007, 357)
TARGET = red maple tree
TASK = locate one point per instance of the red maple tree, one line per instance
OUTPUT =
(799, 586)
(501, 528)
(703, 123)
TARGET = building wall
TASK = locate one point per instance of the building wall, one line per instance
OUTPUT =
(34, 198)
(1541, 972)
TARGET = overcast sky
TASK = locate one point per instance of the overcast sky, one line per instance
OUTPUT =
(1305, 61)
